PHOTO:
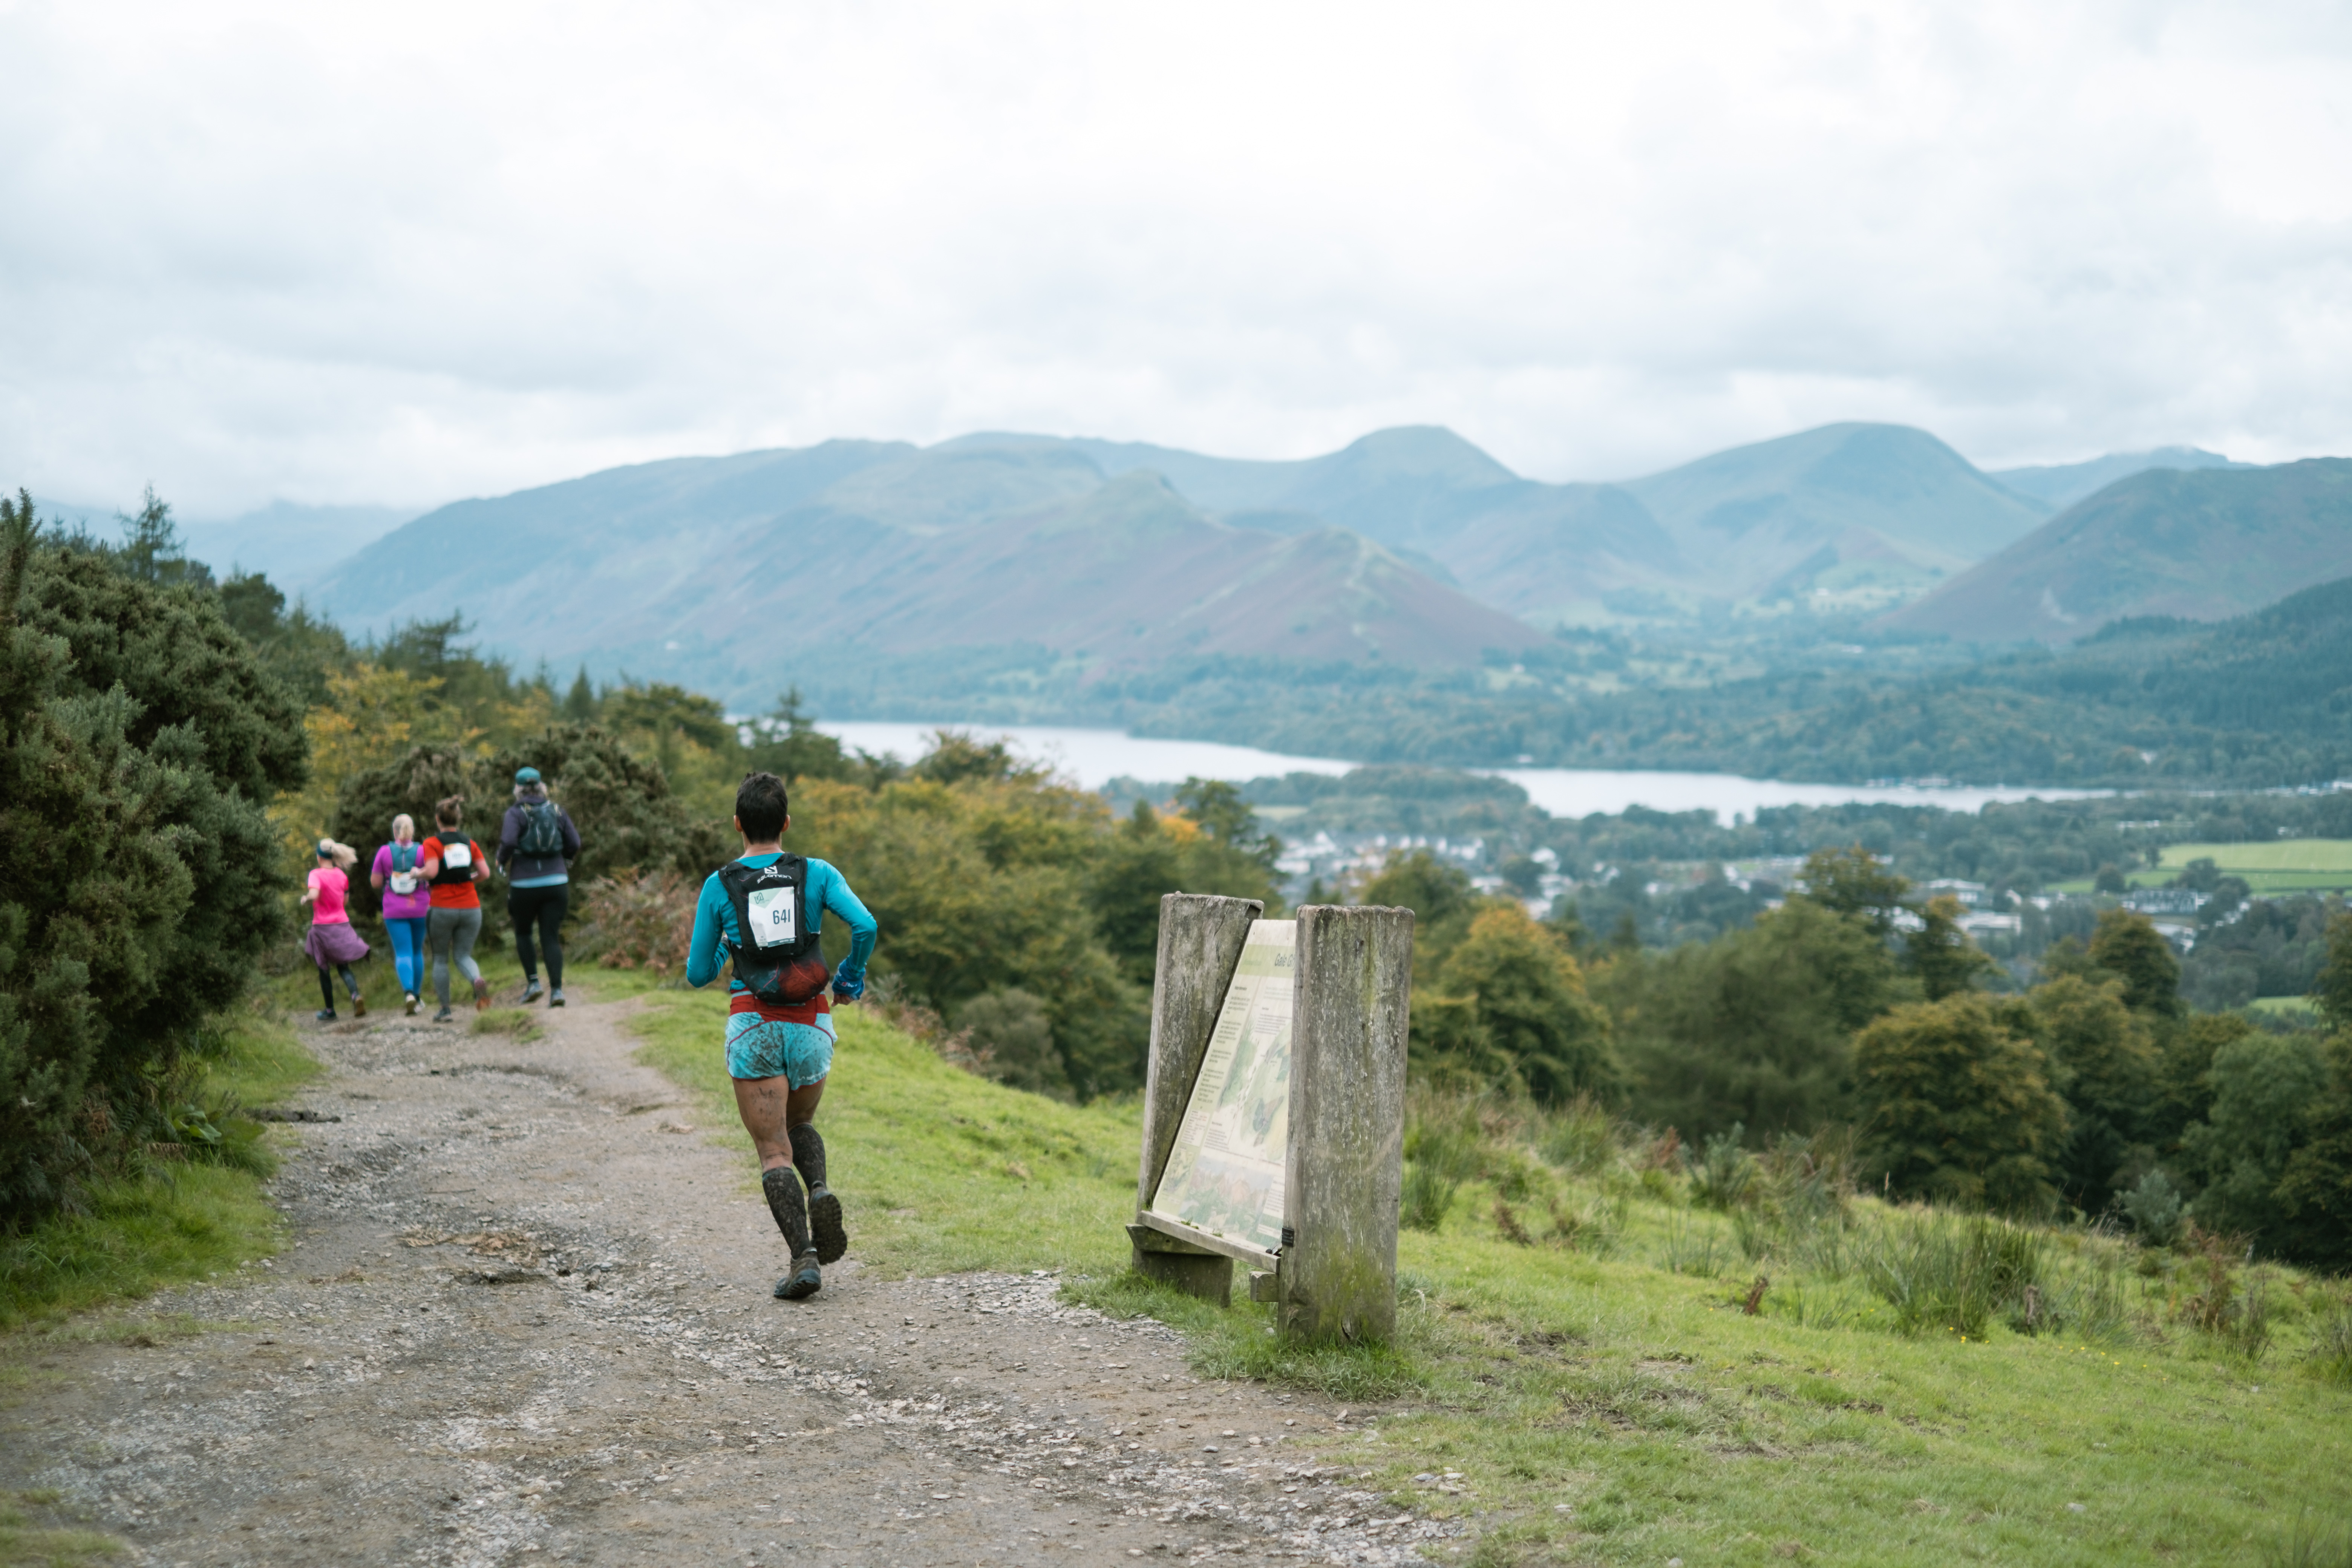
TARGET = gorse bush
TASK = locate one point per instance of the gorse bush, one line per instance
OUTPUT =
(138, 741)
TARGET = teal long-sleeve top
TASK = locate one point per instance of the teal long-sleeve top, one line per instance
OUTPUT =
(714, 923)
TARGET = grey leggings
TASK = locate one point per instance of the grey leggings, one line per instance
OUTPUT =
(448, 929)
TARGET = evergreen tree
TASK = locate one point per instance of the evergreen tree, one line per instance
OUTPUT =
(580, 702)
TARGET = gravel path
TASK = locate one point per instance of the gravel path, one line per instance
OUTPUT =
(525, 1317)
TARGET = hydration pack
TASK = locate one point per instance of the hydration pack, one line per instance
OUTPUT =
(778, 960)
(457, 859)
(542, 833)
(404, 857)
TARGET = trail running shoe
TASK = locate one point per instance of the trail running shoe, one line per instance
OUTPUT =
(413, 1004)
(325, 1016)
(359, 1007)
(555, 997)
(531, 991)
(445, 1016)
(805, 1279)
(826, 1227)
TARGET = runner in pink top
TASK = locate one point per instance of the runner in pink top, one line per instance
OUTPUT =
(333, 944)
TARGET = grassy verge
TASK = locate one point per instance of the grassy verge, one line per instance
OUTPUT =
(949, 1172)
(32, 1532)
(193, 1215)
(1577, 1369)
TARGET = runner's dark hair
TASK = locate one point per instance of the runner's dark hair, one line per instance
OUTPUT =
(762, 805)
(449, 811)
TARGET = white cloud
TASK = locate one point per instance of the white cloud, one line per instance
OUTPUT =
(250, 251)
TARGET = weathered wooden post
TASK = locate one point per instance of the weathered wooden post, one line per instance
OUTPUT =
(1200, 939)
(1274, 1122)
(1344, 1169)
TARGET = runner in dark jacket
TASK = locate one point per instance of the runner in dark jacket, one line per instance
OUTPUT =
(536, 853)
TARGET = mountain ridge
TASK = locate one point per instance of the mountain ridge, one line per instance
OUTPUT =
(2202, 544)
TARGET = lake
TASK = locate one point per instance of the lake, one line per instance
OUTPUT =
(1092, 758)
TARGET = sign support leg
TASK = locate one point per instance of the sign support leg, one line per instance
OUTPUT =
(1200, 939)
(1344, 1166)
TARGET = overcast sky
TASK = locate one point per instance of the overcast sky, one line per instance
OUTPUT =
(401, 254)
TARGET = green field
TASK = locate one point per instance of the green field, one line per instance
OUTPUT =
(2267, 866)
(2275, 866)
(1599, 1384)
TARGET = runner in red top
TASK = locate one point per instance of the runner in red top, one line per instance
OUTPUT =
(453, 863)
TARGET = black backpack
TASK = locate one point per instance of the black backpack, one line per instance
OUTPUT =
(778, 961)
(543, 831)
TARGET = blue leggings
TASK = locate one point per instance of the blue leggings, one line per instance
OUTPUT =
(408, 953)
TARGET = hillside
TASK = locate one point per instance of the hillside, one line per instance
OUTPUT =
(1868, 513)
(2060, 485)
(676, 570)
(2201, 545)
(1871, 511)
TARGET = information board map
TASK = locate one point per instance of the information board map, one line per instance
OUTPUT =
(1224, 1173)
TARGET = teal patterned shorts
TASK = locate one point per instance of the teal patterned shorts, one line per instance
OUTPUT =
(800, 1054)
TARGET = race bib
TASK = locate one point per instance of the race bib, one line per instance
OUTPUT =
(403, 883)
(775, 916)
(457, 856)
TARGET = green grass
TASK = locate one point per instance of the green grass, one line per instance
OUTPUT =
(167, 1221)
(949, 1172)
(28, 1540)
(2299, 1007)
(2311, 855)
(2266, 865)
(1608, 1399)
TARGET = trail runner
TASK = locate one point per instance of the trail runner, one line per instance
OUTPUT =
(537, 844)
(780, 1034)
(330, 941)
(407, 904)
(453, 863)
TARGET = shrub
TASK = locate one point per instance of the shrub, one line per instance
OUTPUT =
(1012, 1036)
(138, 736)
(2154, 1209)
(637, 920)
(628, 819)
(1723, 1172)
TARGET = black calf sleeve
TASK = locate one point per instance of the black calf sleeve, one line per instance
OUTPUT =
(789, 1205)
(327, 989)
(808, 1154)
(350, 983)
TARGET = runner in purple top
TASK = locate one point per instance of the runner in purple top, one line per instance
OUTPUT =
(407, 901)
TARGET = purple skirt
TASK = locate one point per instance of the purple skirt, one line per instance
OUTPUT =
(334, 942)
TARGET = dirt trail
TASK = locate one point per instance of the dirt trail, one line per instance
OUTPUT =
(524, 1319)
